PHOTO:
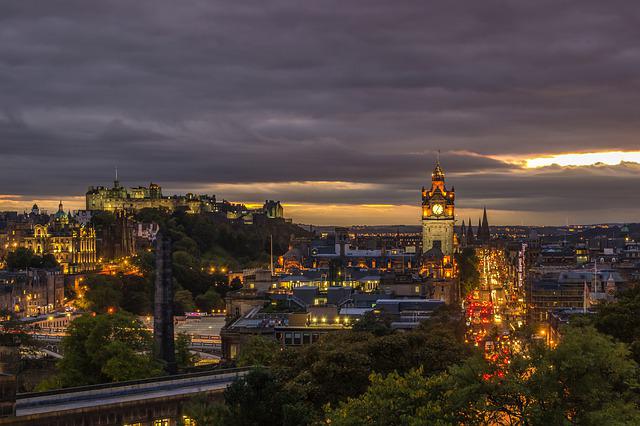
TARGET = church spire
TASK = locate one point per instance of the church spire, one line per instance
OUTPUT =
(470, 237)
(484, 234)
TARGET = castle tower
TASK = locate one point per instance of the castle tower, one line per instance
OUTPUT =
(438, 215)
(164, 345)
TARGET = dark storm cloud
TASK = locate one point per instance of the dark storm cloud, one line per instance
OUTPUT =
(199, 92)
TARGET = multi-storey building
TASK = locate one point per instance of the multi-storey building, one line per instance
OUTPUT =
(32, 292)
(73, 245)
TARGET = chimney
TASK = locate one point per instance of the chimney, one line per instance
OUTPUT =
(163, 305)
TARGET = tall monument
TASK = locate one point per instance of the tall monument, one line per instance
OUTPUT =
(438, 214)
(164, 345)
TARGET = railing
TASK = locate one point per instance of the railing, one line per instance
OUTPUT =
(158, 379)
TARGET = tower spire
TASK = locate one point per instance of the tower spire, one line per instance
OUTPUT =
(484, 234)
(470, 236)
(438, 173)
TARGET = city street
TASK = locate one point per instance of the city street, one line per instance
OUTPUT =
(495, 309)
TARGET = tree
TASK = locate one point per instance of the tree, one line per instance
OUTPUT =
(23, 258)
(105, 348)
(259, 399)
(392, 400)
(338, 366)
(184, 301)
(206, 412)
(378, 324)
(581, 380)
(137, 294)
(209, 301)
(184, 357)
(588, 379)
(468, 266)
(258, 351)
(128, 292)
(621, 319)
(103, 296)
(592, 373)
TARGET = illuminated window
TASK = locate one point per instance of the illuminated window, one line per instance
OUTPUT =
(161, 422)
(133, 424)
(188, 421)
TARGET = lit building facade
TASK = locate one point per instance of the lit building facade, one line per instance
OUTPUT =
(134, 199)
(72, 244)
(438, 215)
(32, 292)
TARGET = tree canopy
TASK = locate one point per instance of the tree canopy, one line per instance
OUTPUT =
(589, 379)
(23, 258)
(468, 265)
(104, 348)
(621, 319)
(122, 292)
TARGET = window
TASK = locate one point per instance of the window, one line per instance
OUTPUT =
(188, 421)
(233, 350)
(161, 422)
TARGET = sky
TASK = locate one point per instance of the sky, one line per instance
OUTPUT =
(337, 108)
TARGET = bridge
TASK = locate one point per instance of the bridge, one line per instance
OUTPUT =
(202, 344)
(141, 402)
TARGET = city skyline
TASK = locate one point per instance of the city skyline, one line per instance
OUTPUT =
(338, 115)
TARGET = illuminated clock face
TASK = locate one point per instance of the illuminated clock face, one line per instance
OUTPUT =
(437, 209)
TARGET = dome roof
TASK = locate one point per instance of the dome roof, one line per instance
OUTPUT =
(60, 214)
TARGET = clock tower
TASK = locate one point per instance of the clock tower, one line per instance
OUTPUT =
(438, 215)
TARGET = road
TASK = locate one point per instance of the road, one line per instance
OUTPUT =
(495, 309)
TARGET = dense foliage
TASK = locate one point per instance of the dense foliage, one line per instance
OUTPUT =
(258, 351)
(468, 266)
(220, 242)
(206, 247)
(300, 381)
(621, 319)
(23, 258)
(588, 380)
(104, 348)
(120, 292)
